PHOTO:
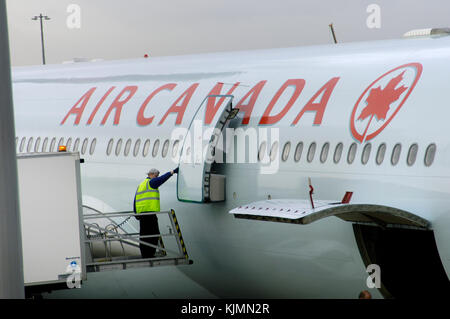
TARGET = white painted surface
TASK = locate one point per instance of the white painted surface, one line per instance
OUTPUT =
(49, 215)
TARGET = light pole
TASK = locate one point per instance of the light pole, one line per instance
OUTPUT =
(40, 17)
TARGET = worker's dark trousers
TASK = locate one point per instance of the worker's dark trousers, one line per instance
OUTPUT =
(148, 226)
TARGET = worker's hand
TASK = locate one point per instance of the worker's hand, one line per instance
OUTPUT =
(175, 170)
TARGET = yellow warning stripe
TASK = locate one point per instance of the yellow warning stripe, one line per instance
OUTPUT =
(174, 217)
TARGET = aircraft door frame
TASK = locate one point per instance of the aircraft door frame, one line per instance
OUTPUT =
(194, 180)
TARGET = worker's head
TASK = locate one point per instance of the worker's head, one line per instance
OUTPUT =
(365, 295)
(153, 173)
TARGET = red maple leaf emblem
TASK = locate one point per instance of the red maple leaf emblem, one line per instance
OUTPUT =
(379, 100)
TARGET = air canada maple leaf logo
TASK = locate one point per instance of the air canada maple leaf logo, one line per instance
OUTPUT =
(382, 100)
(379, 100)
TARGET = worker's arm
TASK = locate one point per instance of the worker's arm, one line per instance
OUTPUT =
(158, 181)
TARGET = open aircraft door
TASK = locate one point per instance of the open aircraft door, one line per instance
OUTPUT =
(195, 182)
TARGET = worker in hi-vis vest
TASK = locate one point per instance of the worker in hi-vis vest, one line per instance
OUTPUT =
(146, 199)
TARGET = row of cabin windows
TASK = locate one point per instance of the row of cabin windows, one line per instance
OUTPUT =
(39, 145)
(49, 145)
(116, 147)
(52, 145)
(351, 153)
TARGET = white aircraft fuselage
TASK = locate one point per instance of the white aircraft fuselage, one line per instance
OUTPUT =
(372, 93)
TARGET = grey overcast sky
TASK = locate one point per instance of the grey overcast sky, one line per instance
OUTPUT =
(120, 29)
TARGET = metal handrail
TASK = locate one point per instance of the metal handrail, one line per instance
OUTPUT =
(120, 214)
(133, 239)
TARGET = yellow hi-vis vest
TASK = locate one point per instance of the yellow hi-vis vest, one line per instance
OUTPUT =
(146, 198)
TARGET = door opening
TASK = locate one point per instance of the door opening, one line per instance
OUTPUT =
(195, 180)
(408, 258)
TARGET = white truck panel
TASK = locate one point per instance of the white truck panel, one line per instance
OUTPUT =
(50, 209)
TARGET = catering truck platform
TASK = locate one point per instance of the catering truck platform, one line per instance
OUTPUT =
(62, 240)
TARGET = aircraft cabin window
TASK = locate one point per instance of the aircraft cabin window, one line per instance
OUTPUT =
(137, 146)
(44, 145)
(262, 151)
(118, 147)
(412, 154)
(351, 153)
(273, 151)
(380, 154)
(52, 145)
(338, 153)
(68, 144)
(92, 148)
(298, 151)
(429, 154)
(366, 153)
(76, 145)
(126, 151)
(22, 145)
(37, 144)
(146, 148)
(84, 146)
(311, 152)
(110, 146)
(155, 148)
(286, 151)
(396, 151)
(175, 146)
(61, 142)
(165, 148)
(324, 152)
(30, 145)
